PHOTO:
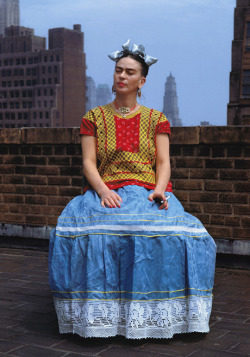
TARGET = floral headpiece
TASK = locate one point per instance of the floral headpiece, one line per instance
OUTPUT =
(136, 50)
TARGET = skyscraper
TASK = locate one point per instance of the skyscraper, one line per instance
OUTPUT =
(238, 109)
(170, 102)
(9, 14)
(91, 101)
(103, 94)
(42, 87)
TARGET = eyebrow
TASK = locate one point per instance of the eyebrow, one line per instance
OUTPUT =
(127, 69)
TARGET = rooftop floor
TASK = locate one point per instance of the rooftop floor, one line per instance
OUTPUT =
(29, 325)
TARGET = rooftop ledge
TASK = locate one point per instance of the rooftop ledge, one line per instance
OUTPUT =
(193, 135)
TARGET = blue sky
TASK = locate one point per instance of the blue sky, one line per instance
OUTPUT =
(191, 38)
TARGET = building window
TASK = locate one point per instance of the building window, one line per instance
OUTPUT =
(12, 116)
(25, 115)
(41, 115)
(246, 84)
(19, 116)
(23, 60)
(34, 115)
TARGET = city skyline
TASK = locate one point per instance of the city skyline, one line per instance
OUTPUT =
(192, 39)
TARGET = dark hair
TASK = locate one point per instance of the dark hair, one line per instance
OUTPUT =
(144, 66)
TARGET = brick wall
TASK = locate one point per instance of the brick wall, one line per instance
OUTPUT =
(41, 171)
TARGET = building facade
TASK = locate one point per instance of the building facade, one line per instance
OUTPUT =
(238, 109)
(42, 87)
(91, 101)
(9, 14)
(103, 94)
(170, 102)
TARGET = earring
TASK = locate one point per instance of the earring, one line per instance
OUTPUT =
(139, 93)
(113, 89)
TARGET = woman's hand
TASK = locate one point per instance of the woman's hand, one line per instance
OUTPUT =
(110, 199)
(160, 197)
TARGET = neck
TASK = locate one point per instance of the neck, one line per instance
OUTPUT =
(125, 101)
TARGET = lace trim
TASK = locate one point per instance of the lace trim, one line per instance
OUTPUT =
(144, 319)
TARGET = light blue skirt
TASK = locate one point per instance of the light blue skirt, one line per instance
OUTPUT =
(135, 271)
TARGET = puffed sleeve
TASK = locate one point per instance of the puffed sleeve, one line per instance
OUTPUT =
(88, 124)
(163, 126)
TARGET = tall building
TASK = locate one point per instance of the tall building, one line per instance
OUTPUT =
(238, 109)
(38, 86)
(91, 101)
(170, 102)
(9, 14)
(103, 94)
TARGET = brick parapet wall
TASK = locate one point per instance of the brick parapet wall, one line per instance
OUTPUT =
(41, 171)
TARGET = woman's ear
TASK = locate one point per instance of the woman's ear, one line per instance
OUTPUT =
(142, 82)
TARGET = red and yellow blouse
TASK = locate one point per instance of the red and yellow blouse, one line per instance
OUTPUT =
(126, 147)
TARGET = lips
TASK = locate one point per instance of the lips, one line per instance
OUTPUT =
(121, 84)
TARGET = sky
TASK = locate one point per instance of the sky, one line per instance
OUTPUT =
(192, 39)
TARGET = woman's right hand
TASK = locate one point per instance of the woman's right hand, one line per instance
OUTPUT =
(110, 199)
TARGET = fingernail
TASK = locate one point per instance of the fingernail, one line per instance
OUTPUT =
(151, 200)
(114, 206)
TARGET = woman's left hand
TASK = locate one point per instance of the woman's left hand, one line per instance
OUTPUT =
(161, 197)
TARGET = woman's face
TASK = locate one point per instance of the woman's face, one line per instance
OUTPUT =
(127, 76)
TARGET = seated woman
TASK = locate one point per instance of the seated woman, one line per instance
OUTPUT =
(124, 258)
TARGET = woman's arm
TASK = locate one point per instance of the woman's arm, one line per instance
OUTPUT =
(108, 198)
(163, 169)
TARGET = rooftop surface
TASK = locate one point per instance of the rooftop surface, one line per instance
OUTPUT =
(29, 324)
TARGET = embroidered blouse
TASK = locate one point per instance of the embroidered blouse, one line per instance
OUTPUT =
(126, 147)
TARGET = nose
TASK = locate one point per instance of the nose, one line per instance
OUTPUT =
(122, 74)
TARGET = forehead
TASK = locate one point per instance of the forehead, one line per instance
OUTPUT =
(128, 63)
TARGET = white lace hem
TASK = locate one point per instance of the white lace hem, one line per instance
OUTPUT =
(135, 320)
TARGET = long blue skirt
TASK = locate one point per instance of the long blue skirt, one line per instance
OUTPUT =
(135, 271)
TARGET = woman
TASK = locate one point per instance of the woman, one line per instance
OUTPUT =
(124, 258)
